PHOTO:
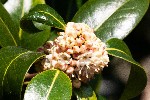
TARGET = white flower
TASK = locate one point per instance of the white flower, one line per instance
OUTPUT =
(78, 52)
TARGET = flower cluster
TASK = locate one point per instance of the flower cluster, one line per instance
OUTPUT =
(77, 52)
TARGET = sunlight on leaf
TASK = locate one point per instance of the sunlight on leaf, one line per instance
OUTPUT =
(8, 30)
(14, 63)
(49, 85)
(112, 18)
(42, 14)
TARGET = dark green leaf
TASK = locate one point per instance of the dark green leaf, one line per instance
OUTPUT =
(49, 85)
(33, 41)
(99, 97)
(79, 3)
(8, 30)
(95, 83)
(112, 18)
(136, 83)
(3, 1)
(18, 8)
(42, 14)
(14, 63)
(85, 92)
(137, 78)
(66, 8)
(53, 35)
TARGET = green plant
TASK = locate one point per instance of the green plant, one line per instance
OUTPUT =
(22, 32)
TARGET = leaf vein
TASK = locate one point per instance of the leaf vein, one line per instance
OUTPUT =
(8, 31)
(96, 28)
(54, 79)
(53, 17)
(11, 63)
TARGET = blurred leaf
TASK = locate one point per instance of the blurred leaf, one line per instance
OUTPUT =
(137, 78)
(66, 8)
(99, 97)
(53, 35)
(35, 2)
(136, 83)
(14, 63)
(49, 85)
(79, 3)
(85, 92)
(3, 1)
(95, 83)
(112, 18)
(33, 41)
(43, 14)
(8, 30)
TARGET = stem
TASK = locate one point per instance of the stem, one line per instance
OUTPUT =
(26, 83)
(28, 76)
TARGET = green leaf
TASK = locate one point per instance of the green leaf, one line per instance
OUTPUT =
(53, 35)
(36, 2)
(49, 85)
(99, 97)
(14, 63)
(42, 14)
(8, 30)
(136, 83)
(18, 8)
(3, 1)
(79, 3)
(137, 78)
(112, 18)
(85, 92)
(33, 41)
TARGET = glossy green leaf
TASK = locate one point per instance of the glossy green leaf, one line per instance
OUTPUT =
(33, 41)
(42, 14)
(112, 18)
(85, 92)
(8, 30)
(49, 85)
(137, 78)
(14, 63)
(17, 11)
(18, 8)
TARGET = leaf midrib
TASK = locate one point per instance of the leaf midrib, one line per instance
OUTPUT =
(9, 32)
(22, 14)
(54, 79)
(53, 17)
(95, 29)
(11, 63)
(114, 49)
